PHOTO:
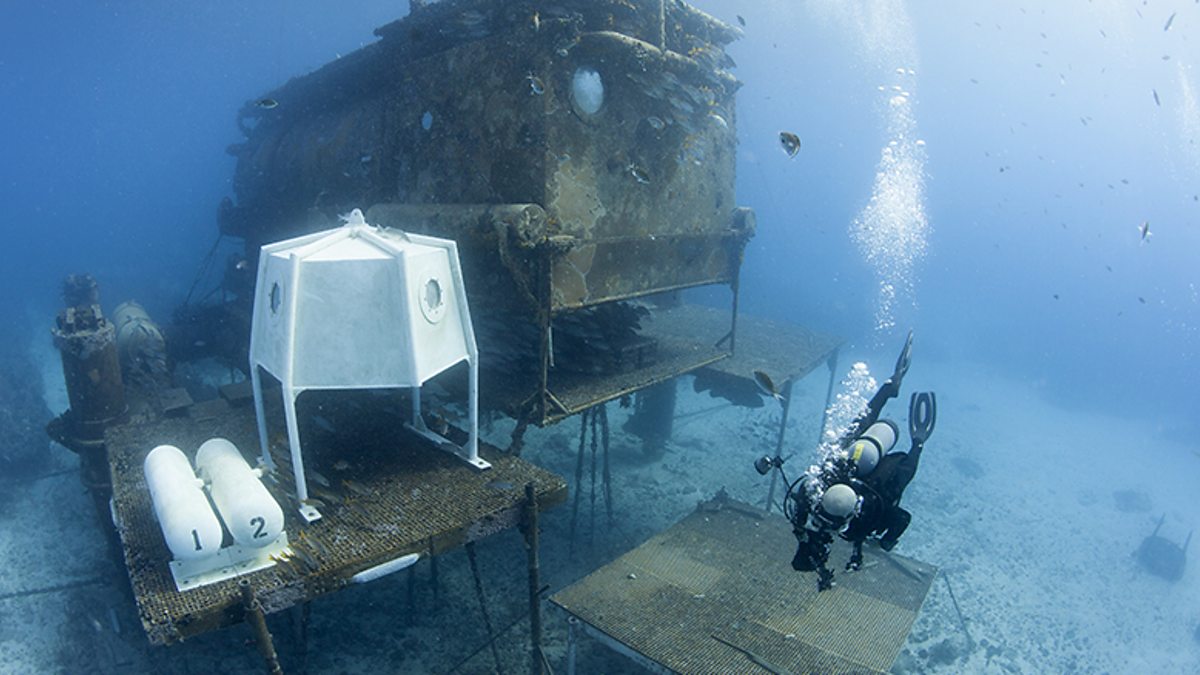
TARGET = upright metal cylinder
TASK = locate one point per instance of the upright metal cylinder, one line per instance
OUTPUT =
(88, 345)
(258, 623)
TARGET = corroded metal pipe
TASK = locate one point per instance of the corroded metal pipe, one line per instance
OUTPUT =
(258, 622)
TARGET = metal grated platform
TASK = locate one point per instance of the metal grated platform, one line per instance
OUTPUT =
(411, 498)
(686, 339)
(716, 593)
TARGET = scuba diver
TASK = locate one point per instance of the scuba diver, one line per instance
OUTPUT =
(881, 488)
(856, 491)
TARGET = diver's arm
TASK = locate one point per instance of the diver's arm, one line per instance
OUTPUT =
(888, 390)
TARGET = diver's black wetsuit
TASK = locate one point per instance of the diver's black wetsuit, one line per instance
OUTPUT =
(881, 513)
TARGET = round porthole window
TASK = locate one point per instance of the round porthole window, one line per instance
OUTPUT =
(276, 298)
(587, 91)
(432, 296)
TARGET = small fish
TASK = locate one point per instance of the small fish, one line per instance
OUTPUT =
(790, 143)
(267, 103)
(536, 86)
(656, 123)
(242, 265)
(357, 488)
(536, 20)
(1141, 300)
(639, 174)
(1144, 229)
(743, 21)
(305, 556)
(767, 385)
(1170, 20)
(1056, 296)
(1157, 102)
(318, 477)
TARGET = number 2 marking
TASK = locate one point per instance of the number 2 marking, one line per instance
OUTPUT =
(261, 523)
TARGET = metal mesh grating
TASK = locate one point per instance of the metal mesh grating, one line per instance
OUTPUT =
(410, 498)
(716, 594)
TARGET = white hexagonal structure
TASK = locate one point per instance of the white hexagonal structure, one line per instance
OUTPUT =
(360, 307)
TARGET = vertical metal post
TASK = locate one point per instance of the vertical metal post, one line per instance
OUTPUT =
(733, 324)
(487, 619)
(258, 622)
(300, 616)
(783, 420)
(578, 487)
(537, 658)
(433, 574)
(571, 646)
(833, 358)
(662, 25)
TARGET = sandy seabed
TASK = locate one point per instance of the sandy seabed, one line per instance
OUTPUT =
(1031, 511)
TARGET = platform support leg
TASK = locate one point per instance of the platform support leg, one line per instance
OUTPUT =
(832, 363)
(300, 615)
(786, 405)
(578, 486)
(572, 647)
(487, 620)
(530, 531)
(258, 622)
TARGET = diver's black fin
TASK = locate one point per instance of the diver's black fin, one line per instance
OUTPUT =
(903, 362)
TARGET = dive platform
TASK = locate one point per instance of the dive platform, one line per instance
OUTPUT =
(715, 593)
(403, 498)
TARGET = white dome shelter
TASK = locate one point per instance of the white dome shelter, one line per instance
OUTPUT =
(360, 307)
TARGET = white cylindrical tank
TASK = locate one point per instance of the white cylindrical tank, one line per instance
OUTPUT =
(187, 520)
(248, 509)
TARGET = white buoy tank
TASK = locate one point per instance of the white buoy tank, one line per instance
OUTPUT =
(248, 509)
(187, 520)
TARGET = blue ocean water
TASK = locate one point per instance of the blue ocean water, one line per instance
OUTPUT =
(976, 172)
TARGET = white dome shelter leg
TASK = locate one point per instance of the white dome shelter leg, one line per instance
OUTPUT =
(307, 511)
(260, 416)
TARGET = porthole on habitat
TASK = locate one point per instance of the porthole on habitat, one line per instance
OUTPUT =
(276, 298)
(587, 91)
(432, 299)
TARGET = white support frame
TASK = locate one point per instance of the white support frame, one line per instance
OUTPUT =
(469, 452)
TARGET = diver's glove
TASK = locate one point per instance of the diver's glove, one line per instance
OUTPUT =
(922, 416)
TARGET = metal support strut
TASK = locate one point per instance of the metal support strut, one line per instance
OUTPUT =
(529, 529)
(258, 622)
(596, 418)
(487, 619)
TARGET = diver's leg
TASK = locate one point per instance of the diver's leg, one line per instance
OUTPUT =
(897, 521)
(856, 558)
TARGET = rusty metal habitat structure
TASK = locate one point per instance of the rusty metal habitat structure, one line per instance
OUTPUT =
(580, 152)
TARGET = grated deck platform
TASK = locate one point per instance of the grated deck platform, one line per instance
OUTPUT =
(715, 593)
(412, 498)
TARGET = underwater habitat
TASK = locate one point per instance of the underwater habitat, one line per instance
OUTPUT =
(600, 336)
